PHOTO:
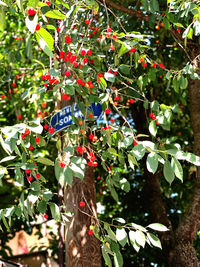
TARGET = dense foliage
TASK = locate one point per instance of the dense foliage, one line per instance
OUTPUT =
(130, 60)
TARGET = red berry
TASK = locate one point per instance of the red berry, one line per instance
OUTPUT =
(131, 101)
(98, 178)
(67, 73)
(44, 105)
(46, 216)
(116, 98)
(51, 130)
(135, 142)
(65, 97)
(90, 232)
(100, 75)
(109, 29)
(19, 117)
(31, 148)
(31, 12)
(37, 28)
(75, 64)
(90, 163)
(37, 175)
(27, 132)
(89, 52)
(48, 3)
(58, 29)
(87, 21)
(37, 139)
(144, 64)
(46, 126)
(162, 24)
(28, 171)
(90, 115)
(81, 204)
(107, 111)
(62, 165)
(30, 178)
(154, 65)
(91, 136)
(112, 120)
(83, 52)
(85, 60)
(68, 39)
(161, 66)
(95, 164)
(132, 50)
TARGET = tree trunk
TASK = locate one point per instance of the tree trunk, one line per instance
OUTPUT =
(82, 249)
(184, 253)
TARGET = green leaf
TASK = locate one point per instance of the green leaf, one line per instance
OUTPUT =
(3, 170)
(45, 161)
(59, 173)
(155, 5)
(55, 211)
(186, 32)
(154, 240)
(168, 172)
(140, 238)
(32, 3)
(177, 168)
(118, 259)
(114, 194)
(158, 227)
(77, 171)
(35, 186)
(42, 206)
(138, 151)
(68, 175)
(121, 236)
(19, 176)
(152, 162)
(153, 128)
(46, 36)
(111, 234)
(124, 49)
(125, 185)
(8, 158)
(44, 45)
(55, 14)
(132, 161)
(133, 242)
(106, 257)
(109, 77)
(2, 19)
(31, 22)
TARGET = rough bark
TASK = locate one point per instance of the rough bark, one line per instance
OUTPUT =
(184, 253)
(82, 249)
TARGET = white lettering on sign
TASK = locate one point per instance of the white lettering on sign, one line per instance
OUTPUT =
(66, 119)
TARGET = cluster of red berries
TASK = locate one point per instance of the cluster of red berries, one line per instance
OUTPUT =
(92, 137)
(71, 58)
(51, 81)
(29, 177)
(153, 116)
(18, 38)
(62, 165)
(50, 129)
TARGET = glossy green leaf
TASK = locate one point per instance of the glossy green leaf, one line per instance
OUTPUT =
(152, 162)
(168, 172)
(55, 14)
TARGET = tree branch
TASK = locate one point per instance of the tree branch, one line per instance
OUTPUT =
(126, 10)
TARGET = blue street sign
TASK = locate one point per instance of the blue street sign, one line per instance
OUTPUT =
(63, 118)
